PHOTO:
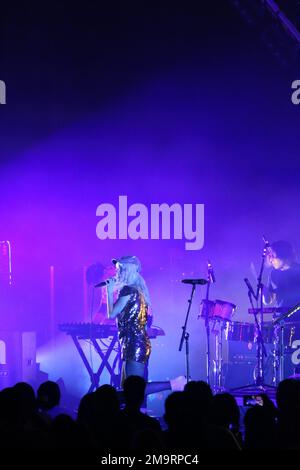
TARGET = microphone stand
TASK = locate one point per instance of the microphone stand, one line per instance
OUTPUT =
(261, 350)
(208, 365)
(185, 335)
(259, 331)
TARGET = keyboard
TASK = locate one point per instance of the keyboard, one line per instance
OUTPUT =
(100, 331)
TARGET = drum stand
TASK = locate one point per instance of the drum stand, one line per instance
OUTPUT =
(218, 363)
(278, 353)
(211, 280)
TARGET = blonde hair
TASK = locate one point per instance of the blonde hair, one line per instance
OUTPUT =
(128, 275)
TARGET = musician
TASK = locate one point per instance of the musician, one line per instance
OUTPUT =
(131, 311)
(283, 290)
(283, 287)
(100, 315)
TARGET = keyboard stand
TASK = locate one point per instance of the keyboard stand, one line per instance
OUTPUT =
(104, 354)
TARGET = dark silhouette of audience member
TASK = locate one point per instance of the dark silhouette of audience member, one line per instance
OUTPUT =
(86, 417)
(20, 425)
(196, 420)
(133, 425)
(106, 411)
(204, 432)
(188, 414)
(86, 410)
(225, 412)
(48, 399)
(97, 416)
(288, 403)
(65, 433)
(178, 420)
(9, 417)
(261, 426)
(25, 402)
(200, 400)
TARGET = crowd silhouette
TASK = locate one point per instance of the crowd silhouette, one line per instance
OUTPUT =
(194, 420)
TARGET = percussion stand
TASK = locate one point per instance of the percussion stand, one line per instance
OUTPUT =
(218, 369)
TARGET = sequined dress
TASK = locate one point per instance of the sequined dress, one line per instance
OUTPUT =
(132, 325)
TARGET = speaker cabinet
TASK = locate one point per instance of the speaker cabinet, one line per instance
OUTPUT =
(17, 357)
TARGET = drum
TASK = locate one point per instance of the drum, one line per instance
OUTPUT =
(217, 310)
(210, 305)
(241, 331)
(223, 310)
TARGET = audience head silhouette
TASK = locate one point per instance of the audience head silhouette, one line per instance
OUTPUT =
(48, 395)
(134, 391)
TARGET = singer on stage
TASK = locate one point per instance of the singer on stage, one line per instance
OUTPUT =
(131, 311)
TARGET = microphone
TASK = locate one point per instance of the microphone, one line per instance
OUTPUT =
(266, 242)
(211, 273)
(104, 283)
(250, 287)
(267, 248)
(194, 281)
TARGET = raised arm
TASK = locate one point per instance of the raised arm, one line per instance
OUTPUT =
(113, 310)
(269, 293)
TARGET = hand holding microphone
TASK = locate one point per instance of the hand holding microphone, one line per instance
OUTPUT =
(109, 283)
